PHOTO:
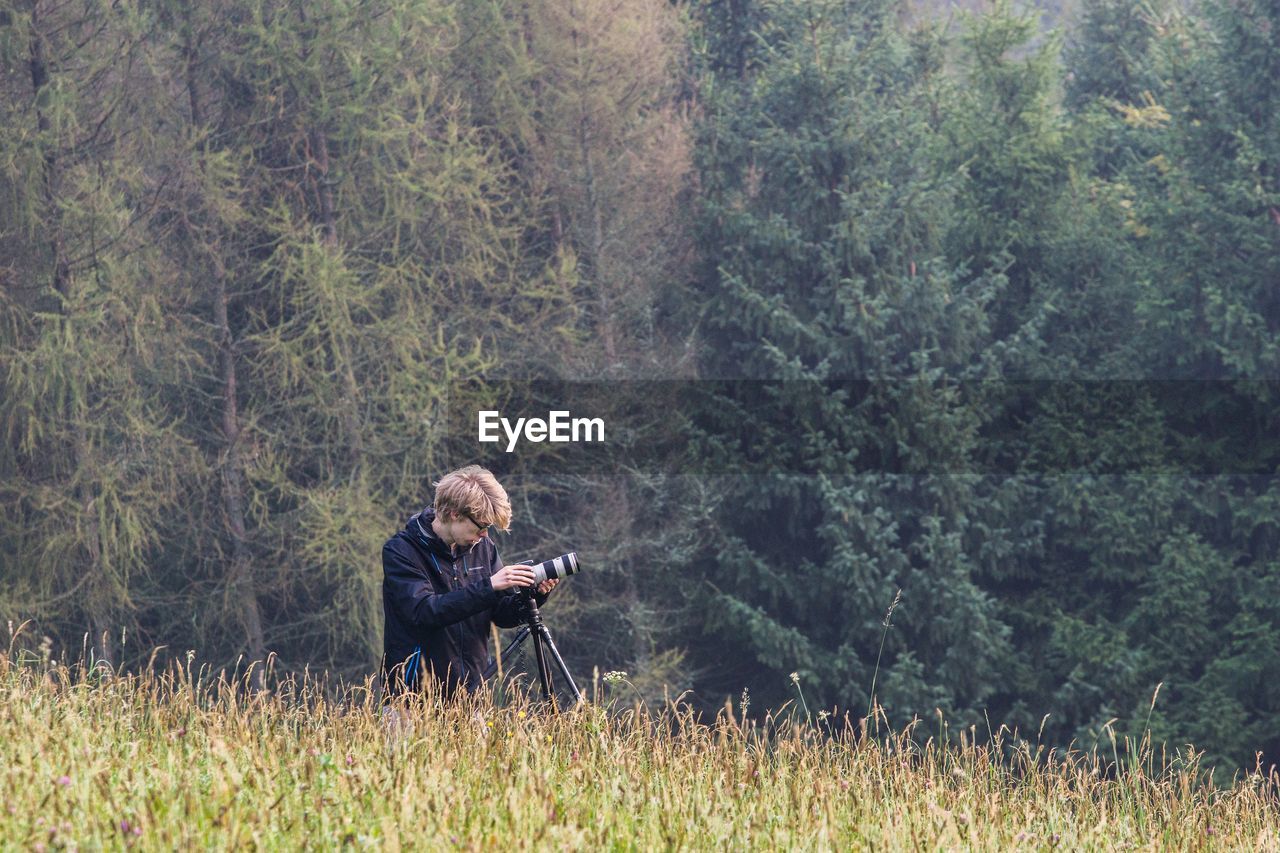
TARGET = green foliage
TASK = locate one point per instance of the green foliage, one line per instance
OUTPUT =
(1197, 196)
(90, 339)
(1209, 210)
(1004, 139)
(363, 211)
(821, 269)
(1107, 53)
(253, 252)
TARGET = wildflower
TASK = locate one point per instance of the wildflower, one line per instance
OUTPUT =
(614, 676)
(124, 827)
(521, 715)
(351, 760)
(64, 781)
(795, 678)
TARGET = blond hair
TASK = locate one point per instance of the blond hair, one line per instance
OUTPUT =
(474, 492)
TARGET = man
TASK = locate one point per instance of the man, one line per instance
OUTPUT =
(444, 584)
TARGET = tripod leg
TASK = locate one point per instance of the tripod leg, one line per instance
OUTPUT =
(544, 671)
(554, 653)
(543, 646)
(508, 653)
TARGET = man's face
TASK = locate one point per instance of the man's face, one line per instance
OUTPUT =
(463, 531)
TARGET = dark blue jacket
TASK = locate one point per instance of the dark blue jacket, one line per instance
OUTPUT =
(437, 608)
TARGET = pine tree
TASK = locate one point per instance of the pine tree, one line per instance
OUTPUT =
(1106, 55)
(829, 278)
(1149, 547)
(1214, 208)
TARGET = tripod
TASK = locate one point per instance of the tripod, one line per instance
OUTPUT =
(544, 649)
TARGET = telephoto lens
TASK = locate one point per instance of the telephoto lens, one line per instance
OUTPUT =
(557, 567)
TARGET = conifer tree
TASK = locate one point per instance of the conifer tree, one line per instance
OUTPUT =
(1214, 212)
(91, 337)
(602, 152)
(1211, 203)
(343, 228)
(1150, 545)
(1106, 54)
(609, 149)
(820, 270)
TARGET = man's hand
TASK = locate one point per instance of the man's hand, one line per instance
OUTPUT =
(546, 586)
(511, 577)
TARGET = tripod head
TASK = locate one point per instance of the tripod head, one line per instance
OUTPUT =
(529, 601)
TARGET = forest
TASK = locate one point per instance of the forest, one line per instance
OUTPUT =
(939, 349)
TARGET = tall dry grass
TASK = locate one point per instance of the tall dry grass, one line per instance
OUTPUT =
(179, 759)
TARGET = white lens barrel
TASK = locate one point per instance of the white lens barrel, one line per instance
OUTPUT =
(557, 567)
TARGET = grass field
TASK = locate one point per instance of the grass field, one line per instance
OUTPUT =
(171, 761)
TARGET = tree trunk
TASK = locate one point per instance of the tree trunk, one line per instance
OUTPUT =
(240, 579)
(39, 78)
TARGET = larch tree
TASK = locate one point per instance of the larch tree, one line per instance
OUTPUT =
(603, 149)
(343, 221)
(92, 338)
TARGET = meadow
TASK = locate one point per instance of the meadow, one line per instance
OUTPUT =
(179, 759)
